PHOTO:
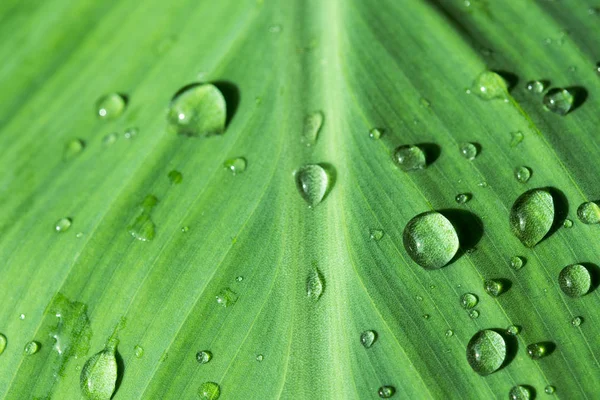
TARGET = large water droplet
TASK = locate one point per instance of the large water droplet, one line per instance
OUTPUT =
(468, 300)
(523, 174)
(226, 297)
(468, 150)
(312, 126)
(203, 356)
(486, 352)
(575, 280)
(111, 105)
(536, 87)
(531, 216)
(3, 342)
(589, 213)
(494, 287)
(519, 392)
(367, 338)
(430, 240)
(385, 392)
(538, 350)
(62, 225)
(489, 85)
(559, 101)
(198, 110)
(209, 391)
(312, 182)
(31, 348)
(99, 375)
(315, 285)
(236, 165)
(410, 158)
(73, 148)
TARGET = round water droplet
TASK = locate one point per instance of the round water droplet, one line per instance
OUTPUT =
(575, 280)
(536, 87)
(367, 338)
(426, 316)
(385, 392)
(139, 351)
(31, 348)
(468, 150)
(175, 177)
(549, 389)
(185, 229)
(239, 278)
(523, 174)
(99, 375)
(517, 262)
(486, 351)
(494, 287)
(73, 148)
(513, 330)
(568, 223)
(449, 333)
(236, 165)
(110, 139)
(589, 213)
(197, 110)
(22, 317)
(209, 391)
(531, 216)
(3, 342)
(312, 126)
(312, 182)
(462, 198)
(537, 350)
(259, 357)
(375, 133)
(468, 300)
(376, 234)
(130, 133)
(111, 106)
(559, 101)
(519, 392)
(576, 321)
(203, 356)
(489, 85)
(483, 184)
(62, 225)
(516, 138)
(410, 158)
(430, 240)
(474, 314)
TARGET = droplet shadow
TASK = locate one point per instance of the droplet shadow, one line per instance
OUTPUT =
(512, 347)
(594, 271)
(432, 152)
(511, 79)
(580, 95)
(120, 372)
(505, 285)
(469, 229)
(332, 177)
(561, 210)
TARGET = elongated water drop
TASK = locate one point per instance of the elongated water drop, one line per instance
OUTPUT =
(516, 138)
(523, 174)
(410, 158)
(519, 392)
(236, 165)
(489, 85)
(111, 106)
(468, 150)
(73, 148)
(385, 392)
(142, 228)
(312, 182)
(99, 375)
(538, 350)
(559, 101)
(430, 240)
(3, 342)
(198, 110)
(468, 300)
(312, 125)
(31, 348)
(209, 391)
(367, 338)
(531, 216)
(486, 351)
(62, 225)
(589, 213)
(575, 280)
(536, 87)
(314, 285)
(203, 356)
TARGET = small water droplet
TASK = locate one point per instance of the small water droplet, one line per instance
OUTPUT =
(175, 177)
(239, 278)
(410, 158)
(430, 240)
(276, 28)
(197, 110)
(489, 85)
(516, 138)
(62, 225)
(312, 182)
(426, 316)
(419, 298)
(375, 133)
(549, 389)
(130, 133)
(468, 300)
(522, 174)
(143, 227)
(259, 357)
(517, 262)
(203, 356)
(98, 376)
(22, 317)
(536, 87)
(468, 151)
(494, 287)
(111, 105)
(79, 235)
(32, 348)
(73, 148)
(424, 102)
(575, 280)
(3, 343)
(385, 392)
(185, 229)
(559, 101)
(367, 338)
(462, 198)
(568, 223)
(519, 392)
(226, 297)
(139, 351)
(537, 350)
(315, 285)
(236, 165)
(576, 321)
(376, 234)
(482, 184)
(486, 351)
(531, 216)
(449, 333)
(513, 330)
(209, 391)
(589, 213)
(312, 125)
(572, 68)
(474, 314)
(109, 139)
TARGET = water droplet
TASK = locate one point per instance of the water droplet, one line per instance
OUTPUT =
(517, 262)
(3, 343)
(468, 300)
(522, 174)
(489, 85)
(111, 105)
(130, 133)
(79, 235)
(468, 150)
(549, 389)
(474, 314)
(482, 184)
(410, 158)
(376, 234)
(312, 126)
(239, 278)
(32, 348)
(576, 321)
(203, 356)
(375, 133)
(73, 148)
(536, 87)
(367, 338)
(197, 110)
(209, 391)
(385, 392)
(589, 213)
(462, 198)
(430, 240)
(426, 316)
(275, 28)
(99, 374)
(513, 330)
(314, 285)
(175, 177)
(559, 101)
(537, 350)
(486, 352)
(62, 225)
(424, 102)
(312, 182)
(22, 317)
(516, 138)
(259, 357)
(185, 229)
(226, 297)
(494, 287)
(531, 216)
(139, 351)
(143, 227)
(575, 280)
(419, 298)
(519, 392)
(449, 333)
(568, 223)
(236, 165)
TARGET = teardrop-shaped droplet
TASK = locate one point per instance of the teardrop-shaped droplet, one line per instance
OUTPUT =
(312, 126)
(312, 182)
(376, 234)
(531, 216)
(536, 87)
(575, 280)
(468, 300)
(468, 150)
(143, 228)
(226, 297)
(73, 148)
(576, 321)
(198, 110)
(430, 240)
(385, 392)
(549, 389)
(367, 338)
(589, 213)
(494, 287)
(209, 391)
(462, 198)
(31, 348)
(3, 342)
(410, 157)
(489, 85)
(375, 133)
(486, 351)
(203, 356)
(62, 225)
(537, 350)
(522, 174)
(559, 101)
(236, 165)
(314, 285)
(99, 375)
(516, 138)
(175, 177)
(111, 106)
(517, 262)
(519, 392)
